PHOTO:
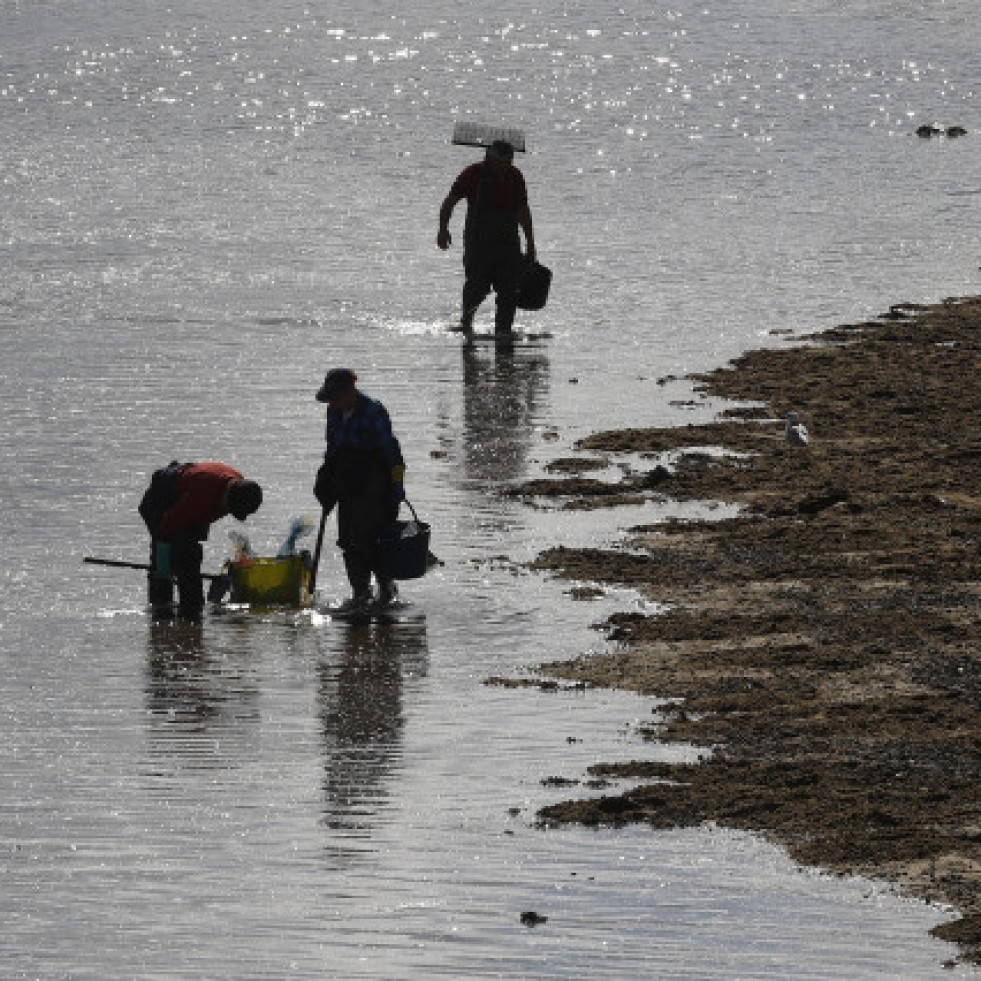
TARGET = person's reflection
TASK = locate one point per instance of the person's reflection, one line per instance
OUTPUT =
(202, 702)
(361, 714)
(504, 393)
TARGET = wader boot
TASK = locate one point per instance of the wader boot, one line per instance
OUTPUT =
(159, 584)
(186, 555)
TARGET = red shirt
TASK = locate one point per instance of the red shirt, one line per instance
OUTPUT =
(508, 194)
(200, 497)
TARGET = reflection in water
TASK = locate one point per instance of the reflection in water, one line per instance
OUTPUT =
(504, 392)
(362, 721)
(202, 701)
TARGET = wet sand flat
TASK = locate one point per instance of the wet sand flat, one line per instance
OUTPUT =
(824, 643)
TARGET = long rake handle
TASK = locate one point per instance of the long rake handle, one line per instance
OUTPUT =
(316, 551)
(116, 563)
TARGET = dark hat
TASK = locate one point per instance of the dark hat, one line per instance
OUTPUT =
(336, 380)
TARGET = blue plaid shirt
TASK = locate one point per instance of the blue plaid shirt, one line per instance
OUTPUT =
(366, 427)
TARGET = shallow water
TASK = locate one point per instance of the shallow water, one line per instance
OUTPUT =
(203, 209)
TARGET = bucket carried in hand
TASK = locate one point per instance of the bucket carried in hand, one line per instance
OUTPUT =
(534, 281)
(404, 547)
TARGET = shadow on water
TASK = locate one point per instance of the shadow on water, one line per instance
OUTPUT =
(362, 721)
(505, 389)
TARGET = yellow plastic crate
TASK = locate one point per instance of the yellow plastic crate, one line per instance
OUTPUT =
(267, 582)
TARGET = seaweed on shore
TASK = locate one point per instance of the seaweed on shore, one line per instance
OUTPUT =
(826, 641)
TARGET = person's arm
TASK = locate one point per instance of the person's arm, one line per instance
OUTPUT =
(391, 451)
(443, 237)
(325, 484)
(524, 220)
(330, 433)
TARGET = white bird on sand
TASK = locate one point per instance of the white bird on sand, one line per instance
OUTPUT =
(796, 431)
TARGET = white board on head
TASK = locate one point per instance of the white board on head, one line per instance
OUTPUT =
(482, 134)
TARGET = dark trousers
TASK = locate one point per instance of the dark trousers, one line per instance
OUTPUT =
(359, 520)
(500, 273)
(186, 555)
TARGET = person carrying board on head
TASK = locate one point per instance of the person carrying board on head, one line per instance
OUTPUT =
(497, 207)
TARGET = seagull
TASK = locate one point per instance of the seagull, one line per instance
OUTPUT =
(796, 431)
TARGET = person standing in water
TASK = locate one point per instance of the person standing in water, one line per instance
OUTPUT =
(362, 474)
(497, 206)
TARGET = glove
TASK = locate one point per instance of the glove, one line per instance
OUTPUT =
(398, 487)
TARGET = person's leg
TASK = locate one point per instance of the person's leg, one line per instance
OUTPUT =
(359, 521)
(357, 565)
(476, 286)
(351, 539)
(186, 555)
(505, 281)
(504, 313)
(386, 511)
(388, 592)
(160, 587)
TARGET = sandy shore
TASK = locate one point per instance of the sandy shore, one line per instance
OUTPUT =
(824, 643)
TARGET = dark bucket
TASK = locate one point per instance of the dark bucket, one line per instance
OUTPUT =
(405, 547)
(533, 285)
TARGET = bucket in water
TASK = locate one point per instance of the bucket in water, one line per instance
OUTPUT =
(404, 547)
(272, 582)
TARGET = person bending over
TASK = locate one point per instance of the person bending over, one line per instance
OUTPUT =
(179, 507)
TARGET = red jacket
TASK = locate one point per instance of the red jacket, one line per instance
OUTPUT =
(200, 499)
